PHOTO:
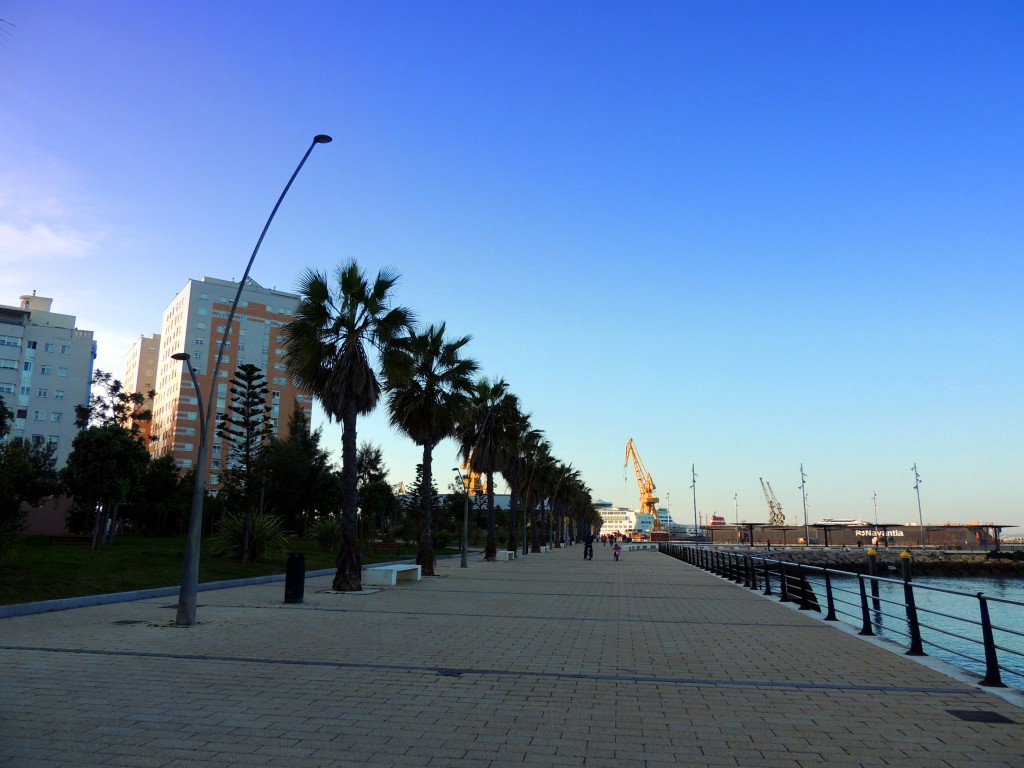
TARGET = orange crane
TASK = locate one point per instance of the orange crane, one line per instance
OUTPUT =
(648, 501)
(775, 516)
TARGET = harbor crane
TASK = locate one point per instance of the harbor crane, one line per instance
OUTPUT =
(648, 501)
(775, 516)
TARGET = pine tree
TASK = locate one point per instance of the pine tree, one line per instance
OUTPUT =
(246, 429)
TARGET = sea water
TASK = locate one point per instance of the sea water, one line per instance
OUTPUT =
(950, 623)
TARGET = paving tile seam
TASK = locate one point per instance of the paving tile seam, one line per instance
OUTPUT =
(560, 618)
(457, 672)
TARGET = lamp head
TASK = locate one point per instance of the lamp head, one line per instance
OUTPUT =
(322, 138)
(181, 356)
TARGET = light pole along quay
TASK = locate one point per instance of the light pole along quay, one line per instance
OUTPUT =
(186, 616)
(465, 519)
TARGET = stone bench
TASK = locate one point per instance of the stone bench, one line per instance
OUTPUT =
(390, 575)
(505, 555)
(634, 546)
(544, 547)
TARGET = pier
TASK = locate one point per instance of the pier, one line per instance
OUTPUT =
(542, 660)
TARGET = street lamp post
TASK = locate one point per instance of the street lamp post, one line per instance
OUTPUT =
(696, 527)
(465, 519)
(186, 616)
(803, 491)
(920, 515)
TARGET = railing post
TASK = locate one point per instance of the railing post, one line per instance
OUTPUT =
(992, 677)
(805, 601)
(831, 614)
(783, 584)
(865, 627)
(751, 572)
(746, 570)
(767, 577)
(916, 648)
(873, 570)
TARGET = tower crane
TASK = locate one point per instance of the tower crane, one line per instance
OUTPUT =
(775, 516)
(648, 501)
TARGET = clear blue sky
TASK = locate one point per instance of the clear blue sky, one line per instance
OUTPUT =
(745, 234)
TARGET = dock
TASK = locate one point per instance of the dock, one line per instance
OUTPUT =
(543, 660)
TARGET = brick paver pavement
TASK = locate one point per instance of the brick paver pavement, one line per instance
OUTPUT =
(546, 660)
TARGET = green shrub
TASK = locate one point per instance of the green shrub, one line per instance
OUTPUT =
(266, 537)
(10, 535)
(327, 533)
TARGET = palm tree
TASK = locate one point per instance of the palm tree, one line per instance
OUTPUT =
(336, 327)
(539, 460)
(482, 437)
(428, 386)
(514, 465)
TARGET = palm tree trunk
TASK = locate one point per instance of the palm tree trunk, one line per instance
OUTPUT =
(534, 530)
(513, 518)
(349, 574)
(491, 549)
(425, 555)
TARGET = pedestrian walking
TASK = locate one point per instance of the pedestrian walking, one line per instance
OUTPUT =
(588, 547)
(616, 550)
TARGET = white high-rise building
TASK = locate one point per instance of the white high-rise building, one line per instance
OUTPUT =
(45, 371)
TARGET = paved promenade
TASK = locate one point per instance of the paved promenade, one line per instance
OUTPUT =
(547, 660)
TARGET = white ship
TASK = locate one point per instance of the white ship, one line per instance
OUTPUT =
(627, 521)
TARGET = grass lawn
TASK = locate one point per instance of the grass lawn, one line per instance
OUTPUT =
(43, 571)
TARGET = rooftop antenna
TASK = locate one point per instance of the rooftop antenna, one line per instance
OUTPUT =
(735, 510)
(874, 498)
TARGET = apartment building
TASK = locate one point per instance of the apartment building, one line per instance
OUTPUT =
(46, 367)
(194, 322)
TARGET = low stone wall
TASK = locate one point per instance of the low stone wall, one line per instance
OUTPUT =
(855, 559)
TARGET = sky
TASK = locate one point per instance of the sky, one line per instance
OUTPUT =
(749, 236)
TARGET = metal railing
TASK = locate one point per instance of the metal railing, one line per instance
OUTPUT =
(892, 608)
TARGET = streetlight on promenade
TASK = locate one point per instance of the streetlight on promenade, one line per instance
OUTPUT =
(186, 616)
(920, 515)
(465, 519)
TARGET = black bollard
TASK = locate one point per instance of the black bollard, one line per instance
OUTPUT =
(295, 577)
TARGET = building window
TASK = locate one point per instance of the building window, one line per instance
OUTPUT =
(26, 391)
(22, 413)
(58, 394)
(45, 370)
(31, 345)
(190, 415)
(186, 463)
(65, 349)
(39, 415)
(11, 365)
(199, 342)
(10, 341)
(49, 346)
(56, 416)
(214, 479)
(42, 393)
(27, 366)
(61, 371)
(6, 389)
(203, 311)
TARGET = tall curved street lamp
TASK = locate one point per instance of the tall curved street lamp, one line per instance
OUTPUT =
(186, 616)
